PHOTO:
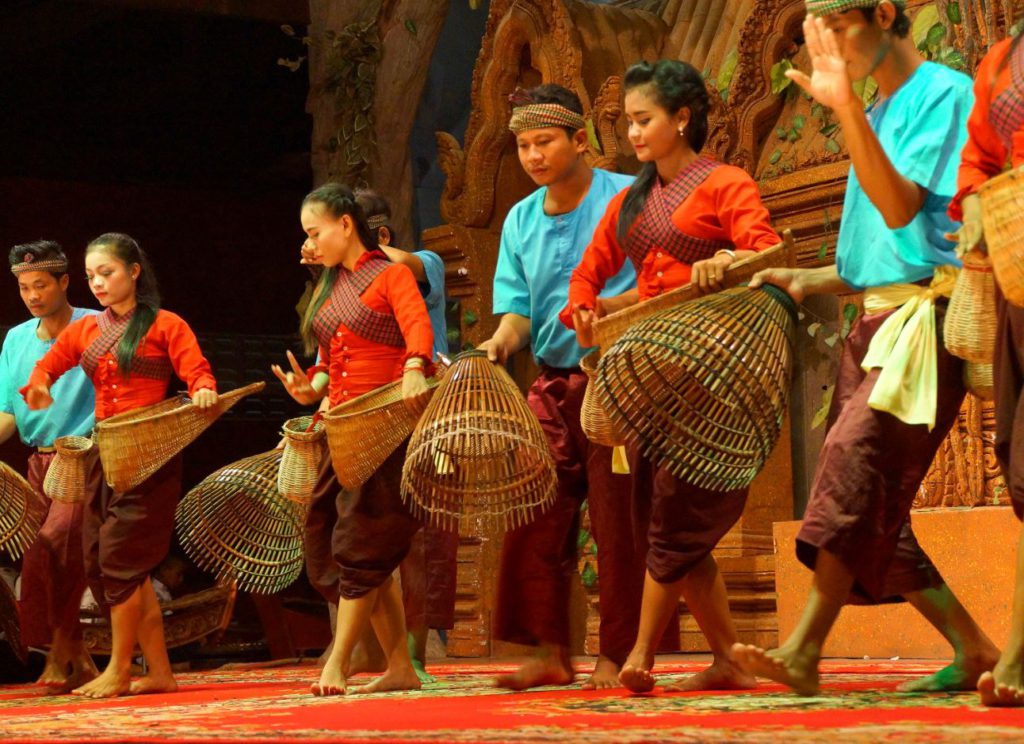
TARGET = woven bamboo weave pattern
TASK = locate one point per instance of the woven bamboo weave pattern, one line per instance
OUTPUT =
(593, 418)
(236, 525)
(20, 515)
(608, 329)
(1002, 214)
(969, 330)
(300, 462)
(66, 476)
(363, 432)
(478, 461)
(135, 444)
(702, 388)
(978, 379)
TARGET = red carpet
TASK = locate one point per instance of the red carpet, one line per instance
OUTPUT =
(858, 704)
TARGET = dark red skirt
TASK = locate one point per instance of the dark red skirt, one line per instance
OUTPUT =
(1009, 380)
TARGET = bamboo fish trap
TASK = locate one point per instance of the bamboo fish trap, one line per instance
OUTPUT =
(593, 418)
(363, 432)
(478, 460)
(135, 444)
(702, 388)
(1002, 214)
(21, 514)
(65, 479)
(608, 329)
(236, 525)
(300, 462)
(969, 329)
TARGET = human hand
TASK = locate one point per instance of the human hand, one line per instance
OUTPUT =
(204, 398)
(38, 397)
(707, 275)
(829, 82)
(296, 382)
(583, 322)
(497, 350)
(309, 254)
(415, 391)
(789, 281)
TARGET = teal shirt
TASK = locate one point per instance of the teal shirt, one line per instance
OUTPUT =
(74, 400)
(537, 256)
(922, 128)
(433, 298)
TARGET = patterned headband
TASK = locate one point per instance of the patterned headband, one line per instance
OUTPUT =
(537, 115)
(377, 221)
(29, 263)
(821, 8)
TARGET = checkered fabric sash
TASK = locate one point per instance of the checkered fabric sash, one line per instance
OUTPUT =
(112, 328)
(1007, 112)
(344, 307)
(654, 229)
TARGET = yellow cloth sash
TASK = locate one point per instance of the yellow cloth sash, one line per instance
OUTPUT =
(905, 348)
(620, 461)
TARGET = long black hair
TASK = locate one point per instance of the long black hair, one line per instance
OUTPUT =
(336, 200)
(673, 85)
(147, 294)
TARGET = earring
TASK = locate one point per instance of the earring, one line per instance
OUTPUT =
(682, 130)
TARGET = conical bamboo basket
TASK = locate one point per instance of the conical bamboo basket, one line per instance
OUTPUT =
(20, 515)
(300, 462)
(593, 418)
(702, 388)
(1002, 214)
(478, 460)
(135, 444)
(69, 470)
(236, 525)
(969, 330)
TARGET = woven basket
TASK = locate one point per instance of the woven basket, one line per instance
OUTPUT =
(66, 477)
(363, 432)
(20, 512)
(478, 460)
(702, 388)
(1002, 214)
(135, 444)
(608, 329)
(300, 462)
(978, 380)
(594, 419)
(969, 330)
(236, 525)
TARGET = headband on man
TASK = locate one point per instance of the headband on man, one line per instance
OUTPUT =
(538, 115)
(30, 263)
(377, 221)
(821, 8)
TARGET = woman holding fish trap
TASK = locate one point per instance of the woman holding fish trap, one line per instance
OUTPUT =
(686, 219)
(371, 327)
(129, 352)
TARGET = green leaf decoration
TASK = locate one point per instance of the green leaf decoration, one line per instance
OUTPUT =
(775, 157)
(936, 35)
(822, 251)
(469, 318)
(829, 129)
(727, 70)
(589, 576)
(799, 121)
(849, 312)
(832, 146)
(595, 143)
(821, 415)
(778, 76)
(781, 133)
(926, 18)
(953, 13)
(582, 537)
(410, 27)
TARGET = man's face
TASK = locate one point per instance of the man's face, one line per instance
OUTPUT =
(43, 293)
(862, 43)
(548, 154)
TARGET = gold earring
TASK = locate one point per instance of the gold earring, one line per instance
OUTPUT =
(682, 130)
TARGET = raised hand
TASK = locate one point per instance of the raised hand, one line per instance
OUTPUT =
(308, 253)
(296, 382)
(38, 397)
(829, 82)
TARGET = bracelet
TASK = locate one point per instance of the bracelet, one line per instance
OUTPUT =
(727, 251)
(415, 362)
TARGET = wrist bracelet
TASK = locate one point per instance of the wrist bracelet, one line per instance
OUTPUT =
(728, 251)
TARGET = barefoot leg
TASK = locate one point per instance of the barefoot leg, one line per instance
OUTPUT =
(366, 656)
(116, 678)
(551, 665)
(353, 619)
(417, 641)
(388, 620)
(55, 672)
(159, 677)
(1004, 685)
(658, 604)
(605, 675)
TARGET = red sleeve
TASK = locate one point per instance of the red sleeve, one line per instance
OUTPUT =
(602, 259)
(741, 212)
(403, 294)
(186, 357)
(65, 353)
(984, 154)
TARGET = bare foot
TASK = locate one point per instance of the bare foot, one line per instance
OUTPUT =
(1003, 687)
(798, 671)
(391, 681)
(723, 674)
(55, 672)
(152, 684)
(421, 671)
(962, 674)
(83, 669)
(636, 672)
(605, 676)
(332, 682)
(546, 669)
(109, 684)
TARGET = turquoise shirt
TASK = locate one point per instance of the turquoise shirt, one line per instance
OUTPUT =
(433, 297)
(537, 256)
(922, 128)
(74, 400)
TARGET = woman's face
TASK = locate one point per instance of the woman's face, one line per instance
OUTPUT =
(653, 131)
(330, 237)
(111, 280)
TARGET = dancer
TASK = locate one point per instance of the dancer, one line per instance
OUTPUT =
(371, 328)
(686, 218)
(53, 576)
(542, 240)
(129, 352)
(899, 391)
(995, 137)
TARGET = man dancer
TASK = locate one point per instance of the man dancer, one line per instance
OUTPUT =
(53, 576)
(542, 241)
(899, 390)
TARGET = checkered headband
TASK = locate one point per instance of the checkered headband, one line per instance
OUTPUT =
(537, 115)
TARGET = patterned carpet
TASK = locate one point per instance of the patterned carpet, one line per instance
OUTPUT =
(858, 704)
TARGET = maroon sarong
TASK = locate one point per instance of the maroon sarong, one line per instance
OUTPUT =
(125, 536)
(1009, 379)
(869, 471)
(429, 577)
(52, 570)
(539, 560)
